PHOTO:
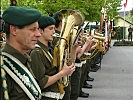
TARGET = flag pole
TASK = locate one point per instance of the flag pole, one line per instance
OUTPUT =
(124, 24)
(125, 4)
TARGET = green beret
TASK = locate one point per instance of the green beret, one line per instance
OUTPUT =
(21, 16)
(45, 21)
(56, 16)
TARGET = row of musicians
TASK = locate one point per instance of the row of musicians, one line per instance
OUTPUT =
(26, 77)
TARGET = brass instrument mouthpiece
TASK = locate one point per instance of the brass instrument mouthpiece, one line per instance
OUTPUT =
(56, 35)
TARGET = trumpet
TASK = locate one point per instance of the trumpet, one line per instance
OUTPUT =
(98, 34)
(101, 39)
(97, 39)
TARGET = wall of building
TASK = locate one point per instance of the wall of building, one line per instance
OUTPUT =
(123, 23)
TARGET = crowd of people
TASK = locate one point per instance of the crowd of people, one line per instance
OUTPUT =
(27, 69)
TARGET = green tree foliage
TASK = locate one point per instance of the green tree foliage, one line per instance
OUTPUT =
(130, 16)
(112, 8)
(90, 8)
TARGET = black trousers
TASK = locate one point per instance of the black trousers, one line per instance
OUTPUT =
(130, 36)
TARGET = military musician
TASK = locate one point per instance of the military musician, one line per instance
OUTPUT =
(21, 28)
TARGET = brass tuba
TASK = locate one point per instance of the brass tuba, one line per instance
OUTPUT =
(70, 19)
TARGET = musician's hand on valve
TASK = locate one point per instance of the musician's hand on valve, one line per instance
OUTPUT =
(79, 40)
(94, 46)
(89, 40)
(67, 70)
(73, 53)
(76, 48)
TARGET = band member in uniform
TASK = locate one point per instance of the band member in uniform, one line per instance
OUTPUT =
(75, 77)
(118, 33)
(58, 27)
(85, 69)
(130, 30)
(42, 65)
(21, 28)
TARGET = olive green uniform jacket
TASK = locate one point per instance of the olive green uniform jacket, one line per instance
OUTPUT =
(14, 90)
(42, 67)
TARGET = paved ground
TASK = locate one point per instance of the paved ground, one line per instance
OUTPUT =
(115, 79)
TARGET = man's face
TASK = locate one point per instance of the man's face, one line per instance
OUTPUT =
(48, 33)
(27, 36)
